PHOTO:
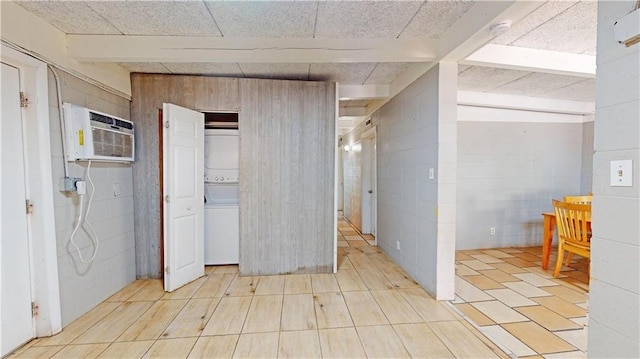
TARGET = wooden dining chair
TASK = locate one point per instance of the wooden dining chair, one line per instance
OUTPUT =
(586, 199)
(574, 230)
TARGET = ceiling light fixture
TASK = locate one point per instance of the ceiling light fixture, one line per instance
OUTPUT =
(500, 28)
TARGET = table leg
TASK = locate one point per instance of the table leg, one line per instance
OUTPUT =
(547, 237)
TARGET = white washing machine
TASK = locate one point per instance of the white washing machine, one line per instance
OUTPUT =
(221, 224)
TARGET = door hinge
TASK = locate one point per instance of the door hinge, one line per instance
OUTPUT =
(24, 101)
(166, 270)
(166, 198)
(29, 206)
(166, 124)
(34, 309)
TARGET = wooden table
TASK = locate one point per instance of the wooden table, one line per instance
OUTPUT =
(549, 225)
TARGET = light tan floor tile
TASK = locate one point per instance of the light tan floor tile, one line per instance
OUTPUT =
(568, 294)
(331, 311)
(232, 269)
(566, 355)
(215, 285)
(485, 258)
(37, 352)
(399, 278)
(341, 343)
(561, 306)
(116, 322)
(358, 243)
(469, 292)
(220, 346)
(171, 348)
(519, 262)
(421, 342)
(508, 268)
(343, 244)
(298, 312)
(242, 286)
(153, 322)
(264, 314)
(270, 285)
(127, 349)
(463, 270)
(381, 341)
(81, 351)
(498, 312)
(547, 274)
(529, 257)
(475, 315)
(185, 292)
(510, 297)
(511, 250)
(299, 344)
(380, 260)
(363, 309)
(192, 319)
(527, 289)
(476, 265)
(482, 282)
(349, 280)
(208, 269)
(538, 338)
(535, 280)
(369, 250)
(429, 309)
(462, 256)
(583, 305)
(577, 338)
(361, 261)
(581, 321)
(395, 307)
(324, 283)
(257, 345)
(344, 262)
(453, 333)
(547, 318)
(355, 237)
(497, 253)
(80, 325)
(228, 317)
(498, 276)
(128, 291)
(511, 343)
(374, 279)
(153, 290)
(297, 284)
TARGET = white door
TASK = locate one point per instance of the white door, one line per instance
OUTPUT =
(183, 191)
(17, 322)
(374, 179)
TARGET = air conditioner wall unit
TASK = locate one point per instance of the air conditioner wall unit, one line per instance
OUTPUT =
(97, 136)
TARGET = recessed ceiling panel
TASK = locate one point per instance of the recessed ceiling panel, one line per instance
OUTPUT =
(435, 17)
(478, 78)
(348, 74)
(537, 83)
(204, 68)
(71, 17)
(580, 91)
(145, 67)
(385, 72)
(364, 19)
(574, 30)
(177, 18)
(357, 103)
(296, 71)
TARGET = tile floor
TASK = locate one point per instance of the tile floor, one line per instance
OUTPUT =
(521, 307)
(370, 308)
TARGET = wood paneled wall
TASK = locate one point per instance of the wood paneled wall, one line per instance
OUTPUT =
(148, 94)
(287, 149)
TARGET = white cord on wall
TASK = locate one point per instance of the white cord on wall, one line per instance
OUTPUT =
(82, 217)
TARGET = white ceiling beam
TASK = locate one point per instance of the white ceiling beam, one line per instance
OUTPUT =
(526, 103)
(362, 92)
(352, 111)
(526, 59)
(122, 48)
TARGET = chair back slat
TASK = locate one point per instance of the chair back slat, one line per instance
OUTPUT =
(579, 199)
(573, 222)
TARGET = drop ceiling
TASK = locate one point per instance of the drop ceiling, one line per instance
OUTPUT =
(559, 26)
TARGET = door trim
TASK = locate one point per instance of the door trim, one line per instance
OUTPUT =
(39, 188)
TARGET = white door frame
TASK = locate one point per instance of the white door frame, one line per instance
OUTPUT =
(39, 188)
(369, 180)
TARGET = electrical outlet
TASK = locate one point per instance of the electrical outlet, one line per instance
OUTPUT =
(398, 245)
(493, 231)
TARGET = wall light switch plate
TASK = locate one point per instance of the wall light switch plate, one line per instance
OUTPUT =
(622, 173)
(116, 190)
(431, 174)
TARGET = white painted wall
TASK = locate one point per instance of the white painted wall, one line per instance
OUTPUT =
(84, 286)
(352, 162)
(614, 328)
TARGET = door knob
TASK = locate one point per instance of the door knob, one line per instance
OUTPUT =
(188, 208)
(370, 191)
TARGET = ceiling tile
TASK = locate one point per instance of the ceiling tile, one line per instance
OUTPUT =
(177, 18)
(145, 67)
(478, 78)
(435, 17)
(364, 19)
(296, 71)
(574, 30)
(537, 83)
(386, 72)
(72, 17)
(204, 68)
(264, 19)
(581, 91)
(350, 73)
